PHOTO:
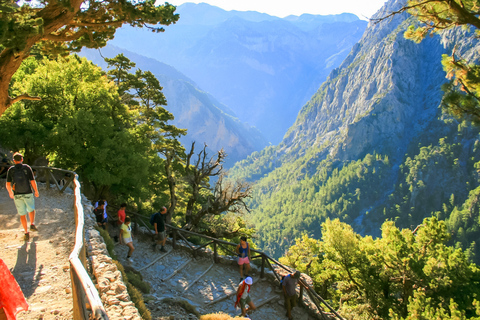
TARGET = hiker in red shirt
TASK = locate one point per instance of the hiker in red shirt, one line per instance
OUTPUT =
(243, 297)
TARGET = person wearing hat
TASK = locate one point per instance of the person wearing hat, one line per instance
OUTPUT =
(243, 296)
(21, 186)
(289, 285)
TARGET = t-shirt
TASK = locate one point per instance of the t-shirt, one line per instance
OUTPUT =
(245, 291)
(121, 216)
(243, 252)
(127, 229)
(11, 173)
(160, 221)
(290, 284)
(99, 214)
(105, 215)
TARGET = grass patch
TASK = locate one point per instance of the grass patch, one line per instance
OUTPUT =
(108, 242)
(220, 316)
(184, 304)
(135, 278)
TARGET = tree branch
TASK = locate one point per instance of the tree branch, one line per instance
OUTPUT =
(23, 97)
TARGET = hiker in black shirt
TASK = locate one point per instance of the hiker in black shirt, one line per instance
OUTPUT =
(160, 234)
(21, 187)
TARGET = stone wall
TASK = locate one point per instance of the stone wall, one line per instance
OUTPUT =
(108, 279)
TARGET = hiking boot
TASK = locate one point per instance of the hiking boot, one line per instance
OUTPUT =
(130, 259)
(33, 228)
(27, 236)
(163, 249)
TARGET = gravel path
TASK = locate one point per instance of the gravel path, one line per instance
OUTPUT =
(40, 265)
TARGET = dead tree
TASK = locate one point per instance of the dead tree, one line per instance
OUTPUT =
(223, 197)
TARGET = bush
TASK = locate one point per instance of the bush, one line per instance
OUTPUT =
(136, 279)
(108, 242)
(220, 316)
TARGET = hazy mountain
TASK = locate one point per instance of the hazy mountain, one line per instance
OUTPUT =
(207, 120)
(371, 145)
(262, 67)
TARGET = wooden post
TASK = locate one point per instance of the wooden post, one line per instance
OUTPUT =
(215, 253)
(47, 178)
(262, 270)
(301, 296)
(174, 239)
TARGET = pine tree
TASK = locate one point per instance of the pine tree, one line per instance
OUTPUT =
(61, 27)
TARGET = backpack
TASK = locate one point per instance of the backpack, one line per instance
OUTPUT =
(281, 281)
(20, 181)
(153, 217)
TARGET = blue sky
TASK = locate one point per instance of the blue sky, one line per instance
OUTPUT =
(281, 8)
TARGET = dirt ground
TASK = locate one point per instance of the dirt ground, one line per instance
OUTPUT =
(40, 265)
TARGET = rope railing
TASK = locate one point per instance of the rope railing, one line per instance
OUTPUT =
(86, 301)
(266, 259)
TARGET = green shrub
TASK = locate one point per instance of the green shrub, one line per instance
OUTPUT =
(108, 242)
(136, 279)
(184, 304)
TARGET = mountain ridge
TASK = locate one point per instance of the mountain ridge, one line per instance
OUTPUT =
(254, 63)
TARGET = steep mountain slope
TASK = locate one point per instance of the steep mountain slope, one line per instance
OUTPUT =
(261, 66)
(207, 120)
(369, 145)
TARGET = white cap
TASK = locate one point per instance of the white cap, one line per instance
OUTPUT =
(248, 281)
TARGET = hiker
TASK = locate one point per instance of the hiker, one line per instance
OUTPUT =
(99, 215)
(243, 252)
(105, 215)
(160, 234)
(289, 285)
(126, 237)
(243, 296)
(21, 187)
(121, 219)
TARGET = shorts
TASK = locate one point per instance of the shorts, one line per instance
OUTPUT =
(243, 261)
(100, 219)
(160, 236)
(25, 203)
(290, 301)
(244, 302)
(127, 240)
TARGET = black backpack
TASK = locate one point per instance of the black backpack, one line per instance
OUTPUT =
(153, 217)
(20, 180)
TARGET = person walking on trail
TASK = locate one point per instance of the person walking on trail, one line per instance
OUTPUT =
(105, 215)
(289, 285)
(160, 234)
(98, 211)
(243, 296)
(126, 237)
(243, 252)
(121, 219)
(21, 187)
